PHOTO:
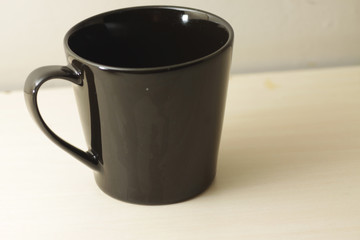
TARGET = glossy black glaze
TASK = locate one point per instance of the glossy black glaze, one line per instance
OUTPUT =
(150, 84)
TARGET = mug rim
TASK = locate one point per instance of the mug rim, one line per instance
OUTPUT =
(211, 17)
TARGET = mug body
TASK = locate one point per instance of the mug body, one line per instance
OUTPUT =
(152, 98)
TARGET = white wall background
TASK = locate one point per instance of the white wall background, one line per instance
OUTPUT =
(269, 34)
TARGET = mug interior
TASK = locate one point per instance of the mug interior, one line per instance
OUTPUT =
(148, 37)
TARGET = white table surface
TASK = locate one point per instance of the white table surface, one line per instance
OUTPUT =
(289, 168)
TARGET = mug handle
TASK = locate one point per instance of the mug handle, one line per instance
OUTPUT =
(31, 88)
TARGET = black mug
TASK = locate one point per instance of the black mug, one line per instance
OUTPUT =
(150, 85)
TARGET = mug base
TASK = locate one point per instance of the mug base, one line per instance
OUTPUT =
(164, 200)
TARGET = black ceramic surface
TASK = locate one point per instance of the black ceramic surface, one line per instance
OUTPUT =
(150, 84)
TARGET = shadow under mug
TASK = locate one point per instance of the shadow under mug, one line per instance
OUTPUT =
(150, 84)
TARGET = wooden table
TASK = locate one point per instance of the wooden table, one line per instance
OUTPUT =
(289, 168)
